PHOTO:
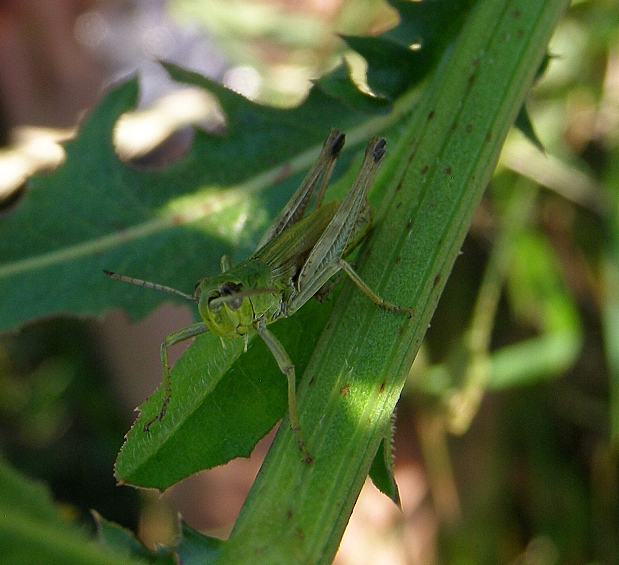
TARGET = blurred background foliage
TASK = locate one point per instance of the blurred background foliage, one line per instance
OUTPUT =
(512, 407)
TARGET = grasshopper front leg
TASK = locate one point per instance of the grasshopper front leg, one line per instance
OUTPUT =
(174, 338)
(286, 367)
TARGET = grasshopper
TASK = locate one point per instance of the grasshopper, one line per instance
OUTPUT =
(294, 260)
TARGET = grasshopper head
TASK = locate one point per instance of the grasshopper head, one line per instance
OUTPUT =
(225, 313)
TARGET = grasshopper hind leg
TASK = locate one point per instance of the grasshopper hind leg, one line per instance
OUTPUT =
(377, 299)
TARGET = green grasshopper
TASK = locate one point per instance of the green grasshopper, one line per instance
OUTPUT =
(294, 260)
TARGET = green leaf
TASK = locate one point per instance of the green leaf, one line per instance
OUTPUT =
(381, 471)
(523, 120)
(33, 529)
(340, 85)
(223, 402)
(123, 542)
(190, 547)
(524, 124)
(195, 548)
(171, 225)
(405, 54)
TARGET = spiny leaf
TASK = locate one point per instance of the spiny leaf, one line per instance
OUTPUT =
(524, 124)
(171, 225)
(222, 399)
(190, 547)
(381, 471)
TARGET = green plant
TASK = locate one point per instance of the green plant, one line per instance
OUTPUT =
(444, 136)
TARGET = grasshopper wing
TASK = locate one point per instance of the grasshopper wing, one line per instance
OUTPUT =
(322, 263)
(318, 174)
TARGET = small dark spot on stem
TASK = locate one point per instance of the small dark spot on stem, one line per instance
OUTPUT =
(431, 114)
(398, 205)
(437, 279)
(448, 170)
(345, 390)
(409, 224)
(382, 387)
(424, 170)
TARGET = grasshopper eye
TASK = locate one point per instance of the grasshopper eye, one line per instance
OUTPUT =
(235, 304)
(230, 289)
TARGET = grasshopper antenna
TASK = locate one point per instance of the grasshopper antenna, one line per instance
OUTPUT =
(148, 284)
